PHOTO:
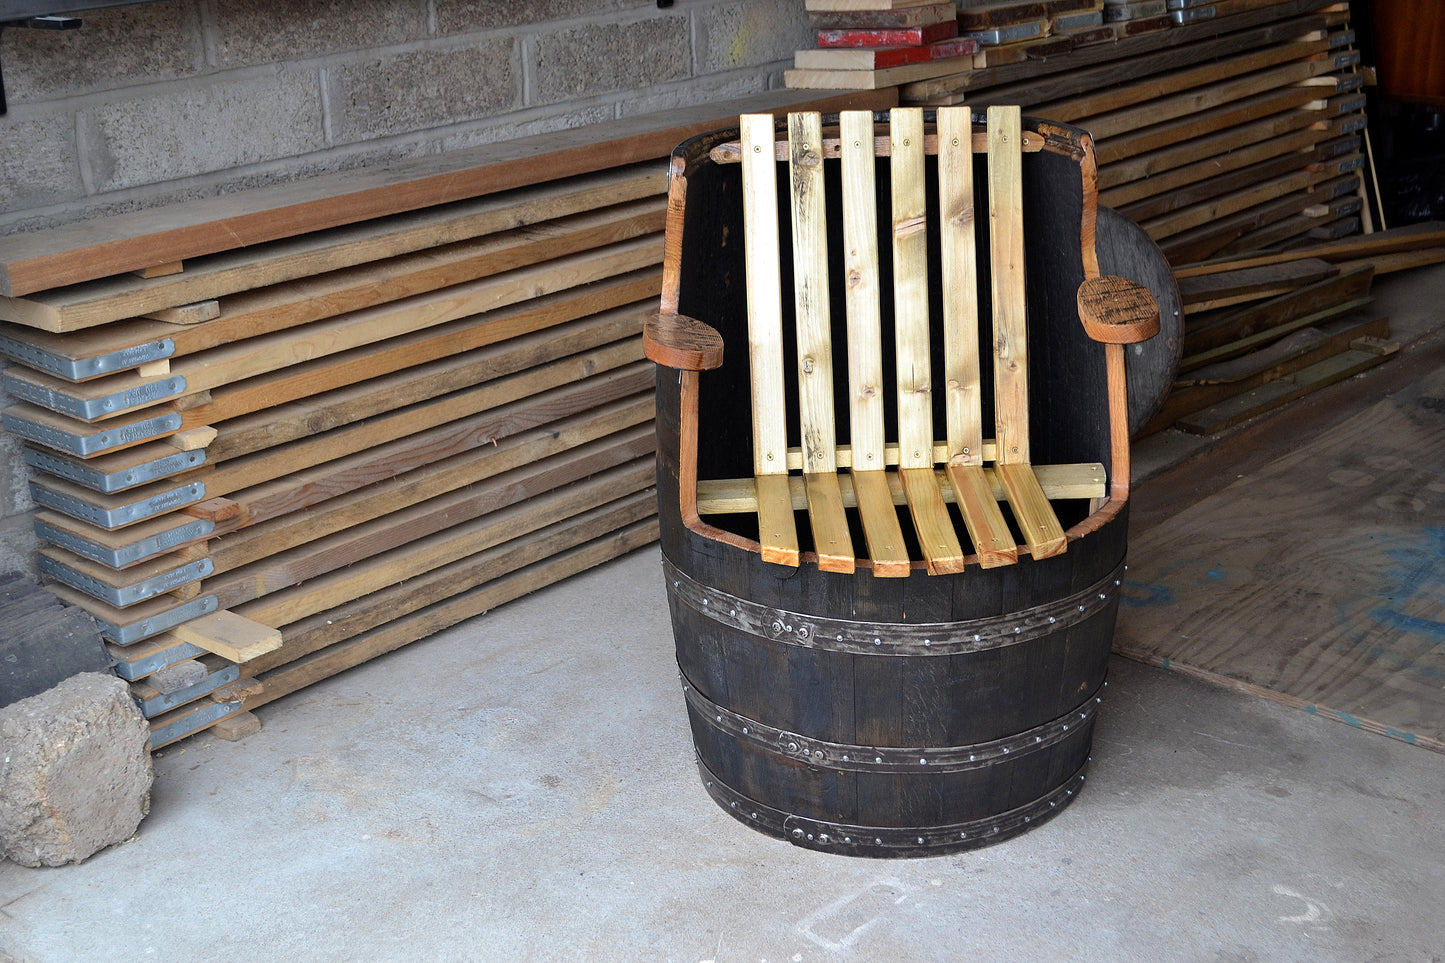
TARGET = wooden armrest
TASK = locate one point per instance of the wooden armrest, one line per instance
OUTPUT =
(1115, 310)
(677, 341)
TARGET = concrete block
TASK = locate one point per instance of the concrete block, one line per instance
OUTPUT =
(196, 130)
(75, 775)
(420, 89)
(113, 48)
(607, 57)
(37, 158)
(277, 31)
(461, 16)
(749, 33)
(511, 127)
(699, 91)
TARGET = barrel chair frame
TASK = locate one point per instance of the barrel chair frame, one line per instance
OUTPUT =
(871, 702)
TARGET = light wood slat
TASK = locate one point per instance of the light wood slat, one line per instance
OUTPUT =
(910, 289)
(936, 537)
(1010, 331)
(765, 294)
(865, 346)
(1040, 527)
(1035, 516)
(818, 429)
(810, 293)
(871, 493)
(963, 384)
(1082, 480)
(963, 404)
(830, 525)
(993, 542)
(777, 530)
(862, 291)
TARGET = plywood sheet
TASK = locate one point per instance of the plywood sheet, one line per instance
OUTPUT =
(1316, 581)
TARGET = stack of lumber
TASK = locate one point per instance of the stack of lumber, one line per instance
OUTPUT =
(1221, 128)
(310, 424)
(1263, 330)
(1218, 136)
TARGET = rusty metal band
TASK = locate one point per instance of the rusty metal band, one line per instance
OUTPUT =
(843, 757)
(875, 841)
(893, 638)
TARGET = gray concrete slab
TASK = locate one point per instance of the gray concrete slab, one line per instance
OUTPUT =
(521, 787)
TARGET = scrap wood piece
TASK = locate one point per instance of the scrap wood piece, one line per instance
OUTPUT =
(1262, 281)
(1205, 333)
(1365, 353)
(1414, 237)
(1212, 384)
(229, 635)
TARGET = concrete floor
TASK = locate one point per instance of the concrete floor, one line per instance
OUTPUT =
(521, 787)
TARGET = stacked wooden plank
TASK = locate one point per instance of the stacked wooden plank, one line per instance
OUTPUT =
(324, 435)
(1263, 330)
(1219, 135)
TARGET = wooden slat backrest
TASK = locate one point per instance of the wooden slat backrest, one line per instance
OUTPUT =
(915, 451)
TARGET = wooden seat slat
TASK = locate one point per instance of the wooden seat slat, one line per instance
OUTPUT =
(1035, 516)
(812, 331)
(777, 530)
(963, 388)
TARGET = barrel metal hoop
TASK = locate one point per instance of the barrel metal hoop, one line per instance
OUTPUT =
(854, 840)
(893, 638)
(839, 756)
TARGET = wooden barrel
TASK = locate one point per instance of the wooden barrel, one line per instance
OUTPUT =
(888, 717)
(876, 716)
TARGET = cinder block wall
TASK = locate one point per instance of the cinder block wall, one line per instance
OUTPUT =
(159, 102)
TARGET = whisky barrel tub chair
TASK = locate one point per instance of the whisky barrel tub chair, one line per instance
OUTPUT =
(894, 508)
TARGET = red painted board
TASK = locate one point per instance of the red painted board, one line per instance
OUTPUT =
(903, 37)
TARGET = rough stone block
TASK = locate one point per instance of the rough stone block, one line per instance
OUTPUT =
(75, 774)
(196, 130)
(37, 159)
(275, 31)
(606, 57)
(750, 33)
(421, 89)
(145, 43)
(460, 16)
